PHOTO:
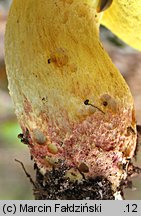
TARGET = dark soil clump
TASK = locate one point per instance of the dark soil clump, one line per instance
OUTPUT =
(55, 186)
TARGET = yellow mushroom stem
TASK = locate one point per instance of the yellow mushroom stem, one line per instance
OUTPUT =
(68, 95)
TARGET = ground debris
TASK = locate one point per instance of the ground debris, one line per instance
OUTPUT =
(55, 186)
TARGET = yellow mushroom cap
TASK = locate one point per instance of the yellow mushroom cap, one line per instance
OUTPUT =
(123, 18)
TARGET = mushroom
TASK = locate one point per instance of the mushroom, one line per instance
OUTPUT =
(124, 19)
(56, 62)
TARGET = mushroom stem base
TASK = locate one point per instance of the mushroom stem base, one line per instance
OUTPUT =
(55, 186)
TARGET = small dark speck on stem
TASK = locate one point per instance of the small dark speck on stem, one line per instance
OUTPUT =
(86, 102)
(49, 61)
(105, 103)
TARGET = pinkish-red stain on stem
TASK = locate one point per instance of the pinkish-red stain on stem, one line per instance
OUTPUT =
(101, 141)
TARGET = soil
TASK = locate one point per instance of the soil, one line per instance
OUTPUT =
(55, 186)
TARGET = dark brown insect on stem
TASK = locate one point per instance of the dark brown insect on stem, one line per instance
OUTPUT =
(86, 102)
(24, 137)
(20, 136)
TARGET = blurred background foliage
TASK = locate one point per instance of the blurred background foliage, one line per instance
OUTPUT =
(13, 182)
